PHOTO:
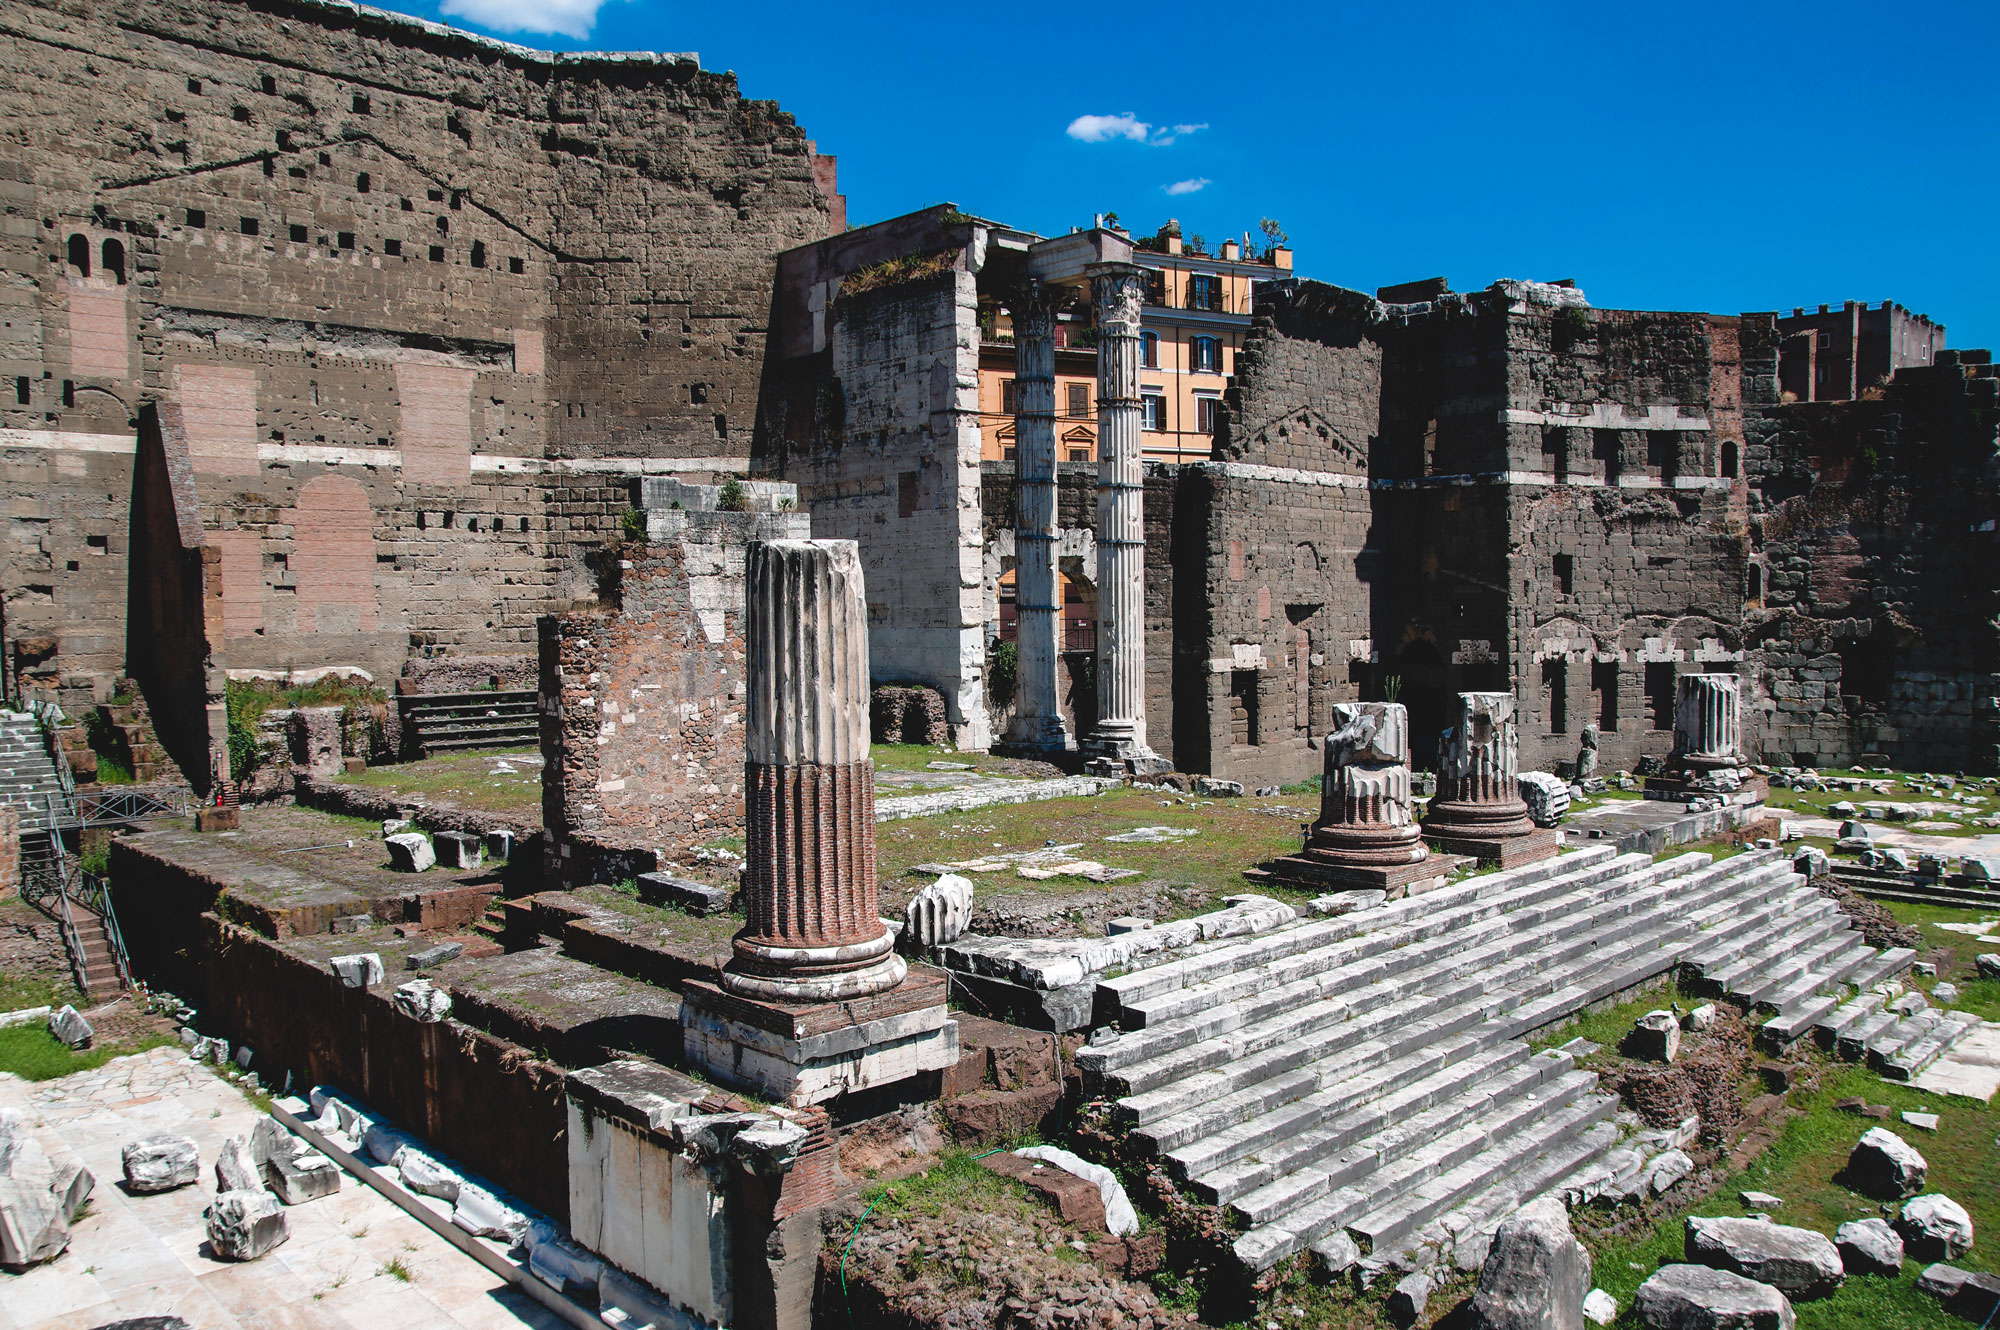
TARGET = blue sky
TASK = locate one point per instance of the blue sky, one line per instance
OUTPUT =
(1719, 157)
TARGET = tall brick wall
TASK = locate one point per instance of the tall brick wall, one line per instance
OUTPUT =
(426, 298)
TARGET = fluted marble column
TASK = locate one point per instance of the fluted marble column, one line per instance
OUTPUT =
(1365, 817)
(813, 932)
(1478, 768)
(1038, 721)
(1120, 733)
(1708, 721)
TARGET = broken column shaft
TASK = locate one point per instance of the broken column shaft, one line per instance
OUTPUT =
(1120, 733)
(1038, 721)
(812, 932)
(1708, 728)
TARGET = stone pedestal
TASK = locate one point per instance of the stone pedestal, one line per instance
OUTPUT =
(1119, 737)
(784, 1022)
(1038, 726)
(1707, 759)
(1479, 810)
(1366, 837)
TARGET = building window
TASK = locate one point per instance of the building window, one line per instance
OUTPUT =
(1604, 682)
(360, 104)
(1663, 454)
(1149, 350)
(1205, 354)
(1010, 396)
(1155, 405)
(114, 260)
(298, 235)
(1555, 682)
(1204, 292)
(1609, 451)
(1565, 574)
(1660, 693)
(1555, 444)
(1079, 402)
(393, 248)
(79, 256)
(1206, 410)
(1156, 288)
(247, 225)
(1077, 454)
(1243, 708)
(1729, 460)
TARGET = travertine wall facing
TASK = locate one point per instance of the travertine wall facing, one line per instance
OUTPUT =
(425, 297)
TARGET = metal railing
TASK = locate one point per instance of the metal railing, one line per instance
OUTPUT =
(111, 805)
(58, 886)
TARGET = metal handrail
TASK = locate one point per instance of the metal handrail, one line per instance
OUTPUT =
(94, 893)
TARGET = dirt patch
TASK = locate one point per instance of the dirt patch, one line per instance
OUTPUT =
(1878, 928)
(1705, 1080)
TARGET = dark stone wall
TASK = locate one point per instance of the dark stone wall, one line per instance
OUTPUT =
(1875, 607)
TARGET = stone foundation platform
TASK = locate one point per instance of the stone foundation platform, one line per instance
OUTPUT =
(1507, 852)
(811, 1052)
(1398, 880)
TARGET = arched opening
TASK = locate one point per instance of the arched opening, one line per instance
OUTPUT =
(1729, 459)
(79, 256)
(1754, 587)
(114, 260)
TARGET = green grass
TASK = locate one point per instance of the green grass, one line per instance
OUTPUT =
(31, 1052)
(1800, 1166)
(956, 1182)
(1953, 953)
(34, 990)
(1608, 1026)
(465, 778)
(918, 757)
(397, 1270)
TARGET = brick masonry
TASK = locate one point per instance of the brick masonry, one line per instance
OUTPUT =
(426, 299)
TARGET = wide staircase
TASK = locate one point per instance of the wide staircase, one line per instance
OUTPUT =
(443, 722)
(1363, 1084)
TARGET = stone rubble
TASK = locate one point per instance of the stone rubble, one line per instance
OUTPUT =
(1934, 1228)
(361, 970)
(1869, 1247)
(1655, 1037)
(1885, 1166)
(422, 1001)
(68, 1026)
(411, 852)
(160, 1163)
(1803, 1264)
(245, 1225)
(1696, 1297)
(1536, 1275)
(1119, 1216)
(939, 913)
(39, 1199)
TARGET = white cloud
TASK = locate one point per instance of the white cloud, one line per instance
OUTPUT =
(1106, 128)
(1194, 186)
(564, 18)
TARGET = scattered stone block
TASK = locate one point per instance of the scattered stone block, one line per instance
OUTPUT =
(68, 1026)
(395, 826)
(939, 914)
(1923, 970)
(1076, 1200)
(1811, 861)
(362, 970)
(39, 1199)
(1599, 1307)
(1802, 1264)
(160, 1163)
(1212, 788)
(1922, 1121)
(1127, 923)
(1988, 964)
(1336, 1255)
(1536, 1272)
(305, 1176)
(244, 1225)
(1968, 1296)
(1656, 1037)
(499, 845)
(569, 1269)
(1547, 797)
(482, 1214)
(431, 957)
(411, 852)
(1120, 1219)
(1885, 1166)
(1869, 1247)
(1980, 867)
(422, 1001)
(1696, 1297)
(1760, 1200)
(1668, 1170)
(698, 898)
(1935, 1228)
(235, 1170)
(426, 1176)
(459, 849)
(1409, 1298)
(1701, 1017)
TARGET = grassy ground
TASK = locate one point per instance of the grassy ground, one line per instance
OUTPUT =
(1819, 803)
(1233, 836)
(918, 757)
(30, 1051)
(466, 780)
(1608, 1026)
(1800, 1167)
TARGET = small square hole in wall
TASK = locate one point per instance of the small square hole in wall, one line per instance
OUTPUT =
(437, 253)
(247, 225)
(298, 235)
(393, 248)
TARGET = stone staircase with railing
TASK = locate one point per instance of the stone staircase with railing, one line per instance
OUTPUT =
(1363, 1084)
(29, 780)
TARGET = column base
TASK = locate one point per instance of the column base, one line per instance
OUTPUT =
(773, 973)
(1117, 768)
(1313, 873)
(1034, 737)
(800, 1055)
(1505, 851)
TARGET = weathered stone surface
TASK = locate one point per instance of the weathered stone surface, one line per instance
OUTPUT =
(939, 913)
(1885, 1166)
(421, 1000)
(1869, 1247)
(1410, 1297)
(1119, 1216)
(432, 957)
(483, 1214)
(698, 898)
(1696, 1297)
(499, 844)
(1667, 1170)
(235, 1170)
(425, 1175)
(38, 1198)
(301, 1177)
(1536, 1273)
(244, 1225)
(160, 1163)
(1547, 797)
(1656, 1037)
(411, 852)
(1801, 1263)
(361, 970)
(68, 1026)
(1599, 1307)
(1988, 964)
(1934, 1228)
(459, 849)
(1971, 1297)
